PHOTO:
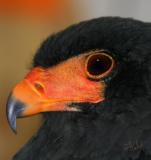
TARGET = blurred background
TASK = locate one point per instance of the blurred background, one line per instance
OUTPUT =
(23, 26)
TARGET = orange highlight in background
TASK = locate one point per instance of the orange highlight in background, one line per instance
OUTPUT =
(34, 8)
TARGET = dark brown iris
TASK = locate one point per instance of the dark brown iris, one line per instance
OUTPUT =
(98, 65)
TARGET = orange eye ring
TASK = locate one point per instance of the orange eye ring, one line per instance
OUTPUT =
(98, 65)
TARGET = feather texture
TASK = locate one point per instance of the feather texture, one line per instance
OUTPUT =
(120, 127)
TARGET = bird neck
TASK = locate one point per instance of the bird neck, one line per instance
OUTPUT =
(79, 136)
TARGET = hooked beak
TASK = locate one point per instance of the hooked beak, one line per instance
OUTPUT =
(52, 89)
(14, 109)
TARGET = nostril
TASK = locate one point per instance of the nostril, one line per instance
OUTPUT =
(39, 86)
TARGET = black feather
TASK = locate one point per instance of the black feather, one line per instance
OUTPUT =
(120, 127)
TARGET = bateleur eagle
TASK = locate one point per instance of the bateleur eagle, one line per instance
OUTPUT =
(92, 82)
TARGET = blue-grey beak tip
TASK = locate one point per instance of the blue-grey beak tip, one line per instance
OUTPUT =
(14, 109)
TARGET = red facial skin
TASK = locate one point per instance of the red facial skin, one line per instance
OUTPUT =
(52, 89)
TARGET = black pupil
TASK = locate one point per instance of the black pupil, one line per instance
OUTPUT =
(98, 64)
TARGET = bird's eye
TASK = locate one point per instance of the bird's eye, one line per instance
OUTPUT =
(98, 65)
